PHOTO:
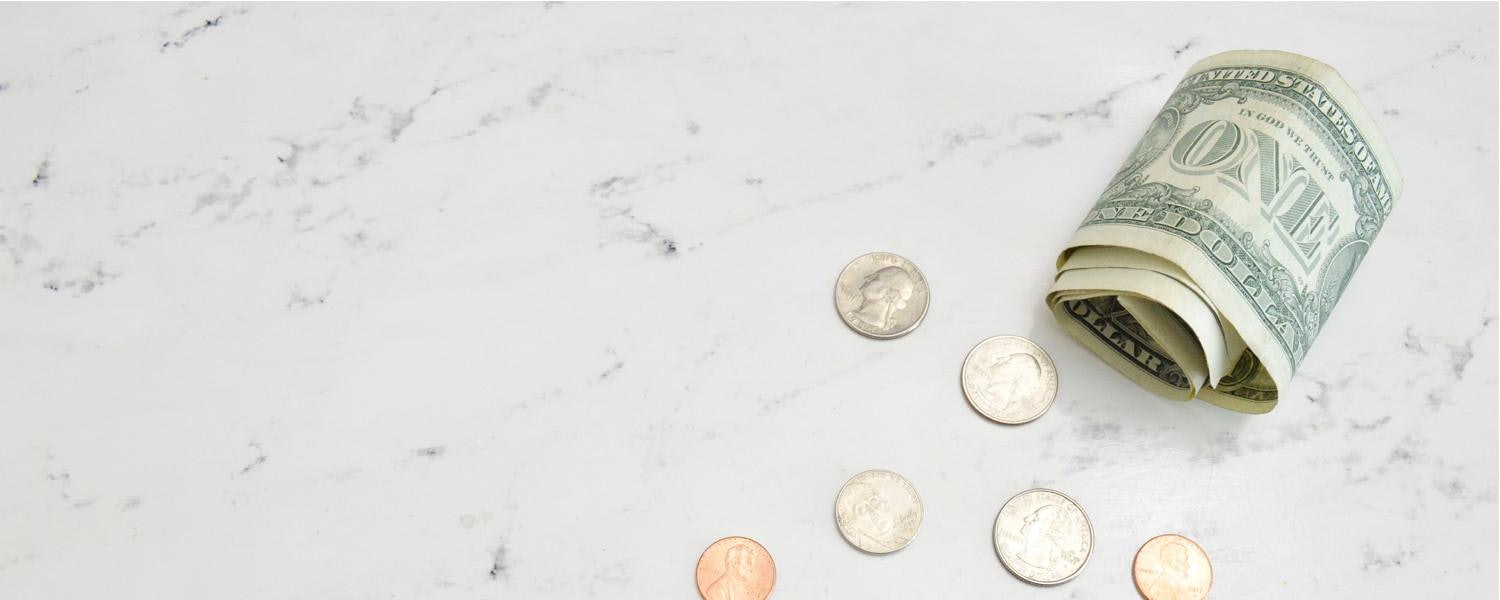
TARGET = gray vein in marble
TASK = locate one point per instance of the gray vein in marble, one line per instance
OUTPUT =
(499, 561)
(1222, 445)
(1099, 434)
(1458, 355)
(255, 463)
(620, 222)
(183, 38)
(613, 185)
(1451, 49)
(400, 119)
(1101, 109)
(224, 197)
(1460, 488)
(17, 245)
(1022, 128)
(539, 94)
(130, 238)
(625, 226)
(1405, 452)
(1382, 559)
(83, 284)
(1177, 51)
(301, 299)
(610, 372)
(485, 121)
(650, 176)
(1370, 426)
(1325, 387)
(64, 481)
(1038, 140)
(43, 173)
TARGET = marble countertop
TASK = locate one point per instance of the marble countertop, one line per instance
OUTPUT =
(534, 301)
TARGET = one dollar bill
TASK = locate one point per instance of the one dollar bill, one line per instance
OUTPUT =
(1215, 255)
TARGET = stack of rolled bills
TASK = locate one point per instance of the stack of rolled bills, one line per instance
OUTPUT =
(1208, 265)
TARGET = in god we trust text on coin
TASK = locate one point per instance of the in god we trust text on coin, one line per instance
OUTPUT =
(881, 295)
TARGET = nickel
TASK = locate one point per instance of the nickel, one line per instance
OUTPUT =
(1009, 379)
(878, 511)
(881, 295)
(1043, 537)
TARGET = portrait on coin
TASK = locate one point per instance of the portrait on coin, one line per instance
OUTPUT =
(882, 294)
(872, 518)
(737, 581)
(1012, 377)
(1173, 582)
(1041, 534)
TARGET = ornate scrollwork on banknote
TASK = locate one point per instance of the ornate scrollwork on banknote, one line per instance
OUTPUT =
(1214, 256)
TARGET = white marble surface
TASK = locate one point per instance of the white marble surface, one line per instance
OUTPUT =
(533, 301)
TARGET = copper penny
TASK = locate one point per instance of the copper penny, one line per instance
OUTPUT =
(736, 568)
(1172, 567)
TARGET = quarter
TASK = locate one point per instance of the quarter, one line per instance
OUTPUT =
(881, 295)
(1043, 536)
(1009, 379)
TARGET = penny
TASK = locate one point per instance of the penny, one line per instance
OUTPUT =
(881, 295)
(878, 511)
(736, 568)
(1043, 536)
(1172, 567)
(1009, 379)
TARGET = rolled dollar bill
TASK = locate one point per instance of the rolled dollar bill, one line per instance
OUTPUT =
(1215, 255)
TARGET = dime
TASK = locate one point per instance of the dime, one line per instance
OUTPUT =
(1172, 567)
(881, 295)
(1009, 379)
(737, 568)
(1043, 537)
(878, 511)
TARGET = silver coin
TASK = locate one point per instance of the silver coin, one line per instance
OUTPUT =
(1009, 379)
(881, 295)
(1043, 536)
(878, 511)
